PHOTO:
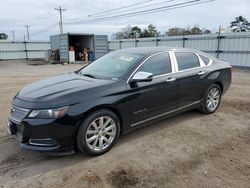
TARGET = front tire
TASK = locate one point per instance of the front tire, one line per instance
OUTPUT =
(98, 132)
(211, 99)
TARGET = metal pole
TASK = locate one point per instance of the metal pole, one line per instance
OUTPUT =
(27, 29)
(218, 44)
(135, 41)
(156, 41)
(13, 35)
(25, 48)
(120, 44)
(183, 39)
(60, 22)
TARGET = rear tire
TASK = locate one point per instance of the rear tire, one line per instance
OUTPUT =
(98, 132)
(211, 100)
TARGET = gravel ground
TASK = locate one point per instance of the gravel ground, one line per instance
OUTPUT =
(188, 150)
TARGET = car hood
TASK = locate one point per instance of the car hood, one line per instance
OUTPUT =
(63, 89)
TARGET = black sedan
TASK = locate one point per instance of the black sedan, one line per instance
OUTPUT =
(90, 108)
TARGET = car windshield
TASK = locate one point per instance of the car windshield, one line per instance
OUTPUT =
(111, 66)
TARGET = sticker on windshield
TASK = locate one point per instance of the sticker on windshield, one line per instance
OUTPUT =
(126, 58)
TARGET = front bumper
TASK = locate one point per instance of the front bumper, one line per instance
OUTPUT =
(44, 135)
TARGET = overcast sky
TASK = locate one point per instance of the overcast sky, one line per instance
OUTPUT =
(43, 19)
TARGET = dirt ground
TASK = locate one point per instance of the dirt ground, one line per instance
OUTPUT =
(188, 150)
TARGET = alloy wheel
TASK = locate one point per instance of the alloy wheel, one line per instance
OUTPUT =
(213, 99)
(101, 133)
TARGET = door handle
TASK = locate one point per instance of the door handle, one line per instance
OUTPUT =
(171, 79)
(201, 72)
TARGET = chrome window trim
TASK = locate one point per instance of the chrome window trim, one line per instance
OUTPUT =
(202, 64)
(165, 113)
(210, 60)
(172, 65)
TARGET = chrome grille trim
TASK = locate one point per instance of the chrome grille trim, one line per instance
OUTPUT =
(22, 113)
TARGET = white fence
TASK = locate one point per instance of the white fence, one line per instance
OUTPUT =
(23, 49)
(232, 47)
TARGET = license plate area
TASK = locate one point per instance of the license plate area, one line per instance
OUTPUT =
(16, 130)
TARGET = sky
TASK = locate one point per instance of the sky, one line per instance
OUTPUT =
(43, 19)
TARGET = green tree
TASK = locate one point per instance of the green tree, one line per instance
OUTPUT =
(178, 31)
(3, 36)
(136, 31)
(240, 24)
(144, 33)
(196, 30)
(152, 30)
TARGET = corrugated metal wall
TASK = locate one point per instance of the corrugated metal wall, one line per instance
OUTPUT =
(100, 45)
(22, 50)
(232, 47)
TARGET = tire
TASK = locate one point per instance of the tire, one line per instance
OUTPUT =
(209, 107)
(97, 125)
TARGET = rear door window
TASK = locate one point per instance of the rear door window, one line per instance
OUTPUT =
(186, 60)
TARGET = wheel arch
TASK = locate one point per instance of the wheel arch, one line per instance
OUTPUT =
(220, 85)
(104, 106)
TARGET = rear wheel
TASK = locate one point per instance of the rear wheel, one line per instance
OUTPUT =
(211, 99)
(98, 132)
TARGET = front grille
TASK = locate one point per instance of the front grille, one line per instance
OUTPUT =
(18, 114)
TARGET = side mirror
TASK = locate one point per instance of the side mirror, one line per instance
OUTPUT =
(142, 77)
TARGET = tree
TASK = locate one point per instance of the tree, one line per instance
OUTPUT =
(125, 33)
(240, 24)
(196, 30)
(152, 30)
(144, 33)
(207, 31)
(136, 31)
(178, 31)
(3, 36)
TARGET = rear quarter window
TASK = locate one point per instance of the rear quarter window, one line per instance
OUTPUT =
(186, 60)
(205, 59)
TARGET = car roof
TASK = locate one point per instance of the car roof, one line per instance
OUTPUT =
(152, 50)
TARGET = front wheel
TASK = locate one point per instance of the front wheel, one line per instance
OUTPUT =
(98, 132)
(211, 99)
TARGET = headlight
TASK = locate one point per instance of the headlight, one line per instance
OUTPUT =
(48, 113)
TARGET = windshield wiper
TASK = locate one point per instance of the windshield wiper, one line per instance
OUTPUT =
(89, 75)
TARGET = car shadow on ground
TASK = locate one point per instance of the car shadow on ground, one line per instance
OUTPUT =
(17, 161)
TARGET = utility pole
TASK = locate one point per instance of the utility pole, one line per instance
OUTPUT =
(60, 22)
(13, 35)
(28, 34)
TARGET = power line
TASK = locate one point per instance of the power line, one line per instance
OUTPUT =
(60, 22)
(104, 13)
(147, 11)
(133, 13)
(121, 7)
(44, 30)
(146, 6)
(112, 10)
